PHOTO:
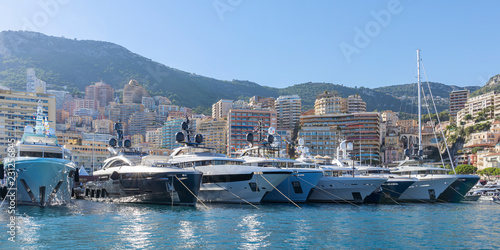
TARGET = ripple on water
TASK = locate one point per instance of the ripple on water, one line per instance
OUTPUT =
(84, 224)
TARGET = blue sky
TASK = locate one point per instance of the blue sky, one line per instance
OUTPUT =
(281, 43)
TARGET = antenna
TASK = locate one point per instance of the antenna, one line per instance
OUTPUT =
(419, 107)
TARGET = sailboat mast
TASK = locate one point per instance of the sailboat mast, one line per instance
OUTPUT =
(419, 107)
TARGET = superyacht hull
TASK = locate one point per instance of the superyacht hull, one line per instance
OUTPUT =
(169, 188)
(391, 190)
(458, 189)
(296, 187)
(426, 189)
(344, 189)
(238, 184)
(43, 181)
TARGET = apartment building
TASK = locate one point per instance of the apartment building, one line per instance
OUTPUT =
(288, 111)
(362, 129)
(18, 110)
(243, 121)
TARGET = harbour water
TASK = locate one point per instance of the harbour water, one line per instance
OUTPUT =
(92, 225)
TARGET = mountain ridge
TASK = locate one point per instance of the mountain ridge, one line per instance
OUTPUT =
(74, 64)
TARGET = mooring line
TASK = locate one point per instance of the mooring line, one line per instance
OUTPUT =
(279, 191)
(249, 203)
(190, 192)
(346, 201)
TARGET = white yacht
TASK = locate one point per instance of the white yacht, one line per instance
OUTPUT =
(225, 180)
(432, 181)
(123, 179)
(392, 189)
(337, 183)
(487, 192)
(334, 186)
(296, 187)
(45, 172)
(389, 191)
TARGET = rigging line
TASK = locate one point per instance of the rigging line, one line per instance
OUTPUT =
(191, 192)
(389, 196)
(439, 120)
(249, 203)
(279, 191)
(346, 201)
(433, 130)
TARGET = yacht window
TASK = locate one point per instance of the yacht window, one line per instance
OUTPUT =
(116, 164)
(31, 154)
(53, 155)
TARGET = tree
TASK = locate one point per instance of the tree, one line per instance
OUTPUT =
(489, 172)
(475, 149)
(465, 169)
(468, 117)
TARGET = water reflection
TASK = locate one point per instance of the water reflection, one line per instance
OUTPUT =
(253, 233)
(135, 229)
(84, 224)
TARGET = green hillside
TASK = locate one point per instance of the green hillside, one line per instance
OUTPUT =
(492, 85)
(410, 89)
(74, 64)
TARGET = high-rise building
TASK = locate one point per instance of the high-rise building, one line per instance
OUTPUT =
(101, 92)
(122, 112)
(214, 133)
(33, 84)
(18, 110)
(140, 122)
(288, 111)
(476, 104)
(355, 104)
(133, 92)
(221, 108)
(243, 121)
(328, 102)
(86, 103)
(458, 98)
(149, 103)
(321, 134)
(168, 131)
(154, 137)
(321, 140)
(103, 126)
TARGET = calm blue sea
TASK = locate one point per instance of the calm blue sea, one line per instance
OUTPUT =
(85, 224)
